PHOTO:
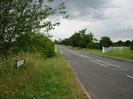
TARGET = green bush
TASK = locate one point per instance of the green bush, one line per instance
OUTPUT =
(93, 45)
(32, 42)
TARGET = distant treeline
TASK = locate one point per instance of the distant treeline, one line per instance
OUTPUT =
(87, 40)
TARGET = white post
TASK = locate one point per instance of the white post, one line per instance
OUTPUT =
(110, 48)
(103, 49)
(121, 48)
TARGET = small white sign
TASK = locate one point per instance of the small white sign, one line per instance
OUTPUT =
(20, 62)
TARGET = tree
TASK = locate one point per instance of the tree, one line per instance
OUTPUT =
(127, 43)
(79, 39)
(75, 38)
(105, 41)
(131, 45)
(85, 40)
(66, 42)
(119, 43)
(93, 45)
(23, 16)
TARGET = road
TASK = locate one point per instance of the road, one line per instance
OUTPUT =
(103, 78)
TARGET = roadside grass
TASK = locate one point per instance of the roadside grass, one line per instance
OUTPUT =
(126, 54)
(41, 78)
(121, 54)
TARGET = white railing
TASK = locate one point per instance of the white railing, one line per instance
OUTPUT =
(106, 49)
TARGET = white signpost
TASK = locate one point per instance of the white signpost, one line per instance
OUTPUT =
(20, 62)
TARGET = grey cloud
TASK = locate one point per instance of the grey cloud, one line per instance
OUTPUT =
(86, 9)
(120, 33)
(111, 16)
(88, 3)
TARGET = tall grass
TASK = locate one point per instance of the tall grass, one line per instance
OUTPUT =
(41, 78)
(8, 64)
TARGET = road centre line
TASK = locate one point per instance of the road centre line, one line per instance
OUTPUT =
(129, 76)
(80, 54)
(117, 66)
(99, 63)
(113, 65)
(118, 69)
(90, 59)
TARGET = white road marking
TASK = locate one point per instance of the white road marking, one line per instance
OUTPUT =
(90, 59)
(79, 54)
(113, 65)
(86, 92)
(118, 69)
(129, 76)
(82, 86)
(99, 63)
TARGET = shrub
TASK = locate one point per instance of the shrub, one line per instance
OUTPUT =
(32, 42)
(93, 45)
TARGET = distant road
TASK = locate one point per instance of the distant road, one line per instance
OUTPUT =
(103, 78)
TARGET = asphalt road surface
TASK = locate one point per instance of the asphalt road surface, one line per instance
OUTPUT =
(103, 78)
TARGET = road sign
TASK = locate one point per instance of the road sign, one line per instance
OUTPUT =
(20, 62)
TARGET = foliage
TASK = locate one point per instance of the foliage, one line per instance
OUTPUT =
(105, 41)
(127, 43)
(23, 16)
(122, 43)
(32, 42)
(93, 45)
(75, 38)
(131, 46)
(79, 39)
(87, 40)
(67, 42)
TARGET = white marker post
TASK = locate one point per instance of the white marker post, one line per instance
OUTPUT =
(103, 49)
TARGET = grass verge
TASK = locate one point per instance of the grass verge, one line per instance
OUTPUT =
(121, 54)
(125, 54)
(41, 78)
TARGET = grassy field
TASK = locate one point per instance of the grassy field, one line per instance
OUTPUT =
(41, 78)
(126, 53)
(123, 54)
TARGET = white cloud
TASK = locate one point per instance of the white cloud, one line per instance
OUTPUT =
(102, 17)
(68, 27)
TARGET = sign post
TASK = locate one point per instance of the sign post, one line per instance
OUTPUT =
(20, 62)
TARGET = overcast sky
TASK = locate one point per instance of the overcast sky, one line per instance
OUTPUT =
(112, 18)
